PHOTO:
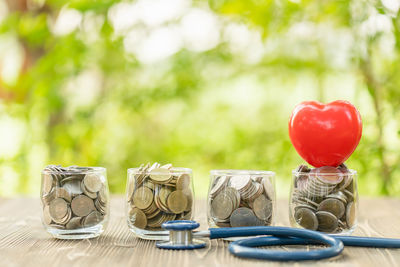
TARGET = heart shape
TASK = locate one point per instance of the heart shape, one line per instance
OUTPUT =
(325, 135)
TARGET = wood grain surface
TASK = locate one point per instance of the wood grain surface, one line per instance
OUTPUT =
(24, 242)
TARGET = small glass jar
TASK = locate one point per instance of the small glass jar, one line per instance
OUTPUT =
(156, 194)
(241, 198)
(75, 201)
(324, 199)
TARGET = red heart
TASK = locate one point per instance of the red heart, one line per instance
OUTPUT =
(325, 135)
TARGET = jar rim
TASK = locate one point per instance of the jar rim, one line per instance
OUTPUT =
(173, 170)
(241, 172)
(351, 171)
(84, 171)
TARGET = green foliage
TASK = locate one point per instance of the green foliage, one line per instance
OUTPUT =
(82, 98)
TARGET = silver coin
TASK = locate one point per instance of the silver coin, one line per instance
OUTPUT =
(305, 205)
(338, 195)
(306, 218)
(327, 222)
(58, 208)
(222, 206)
(240, 182)
(349, 195)
(65, 219)
(350, 186)
(262, 207)
(219, 184)
(100, 207)
(46, 199)
(74, 223)
(47, 183)
(305, 200)
(86, 192)
(155, 165)
(268, 188)
(334, 206)
(46, 215)
(62, 193)
(166, 166)
(82, 205)
(328, 175)
(103, 194)
(234, 195)
(93, 218)
(244, 217)
(351, 214)
(92, 182)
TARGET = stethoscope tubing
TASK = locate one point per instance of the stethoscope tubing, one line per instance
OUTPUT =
(279, 236)
(245, 248)
(355, 241)
(371, 242)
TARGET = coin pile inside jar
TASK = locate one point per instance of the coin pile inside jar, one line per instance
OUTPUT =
(157, 194)
(323, 198)
(73, 197)
(241, 200)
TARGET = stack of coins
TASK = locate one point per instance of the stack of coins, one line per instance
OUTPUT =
(241, 200)
(157, 194)
(323, 198)
(73, 197)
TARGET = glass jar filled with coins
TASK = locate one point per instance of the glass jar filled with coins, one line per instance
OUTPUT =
(324, 199)
(155, 194)
(241, 198)
(75, 201)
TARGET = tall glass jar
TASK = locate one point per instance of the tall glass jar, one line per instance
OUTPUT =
(324, 199)
(156, 194)
(75, 201)
(241, 198)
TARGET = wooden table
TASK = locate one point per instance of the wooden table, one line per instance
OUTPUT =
(24, 242)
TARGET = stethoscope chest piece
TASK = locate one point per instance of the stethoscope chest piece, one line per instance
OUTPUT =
(181, 236)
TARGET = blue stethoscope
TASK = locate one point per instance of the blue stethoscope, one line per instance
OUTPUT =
(182, 237)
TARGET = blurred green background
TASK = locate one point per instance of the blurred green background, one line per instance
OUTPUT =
(200, 84)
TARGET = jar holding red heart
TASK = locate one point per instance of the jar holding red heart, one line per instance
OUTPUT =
(325, 198)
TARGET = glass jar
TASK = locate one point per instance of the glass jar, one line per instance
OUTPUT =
(75, 201)
(324, 199)
(241, 198)
(156, 194)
